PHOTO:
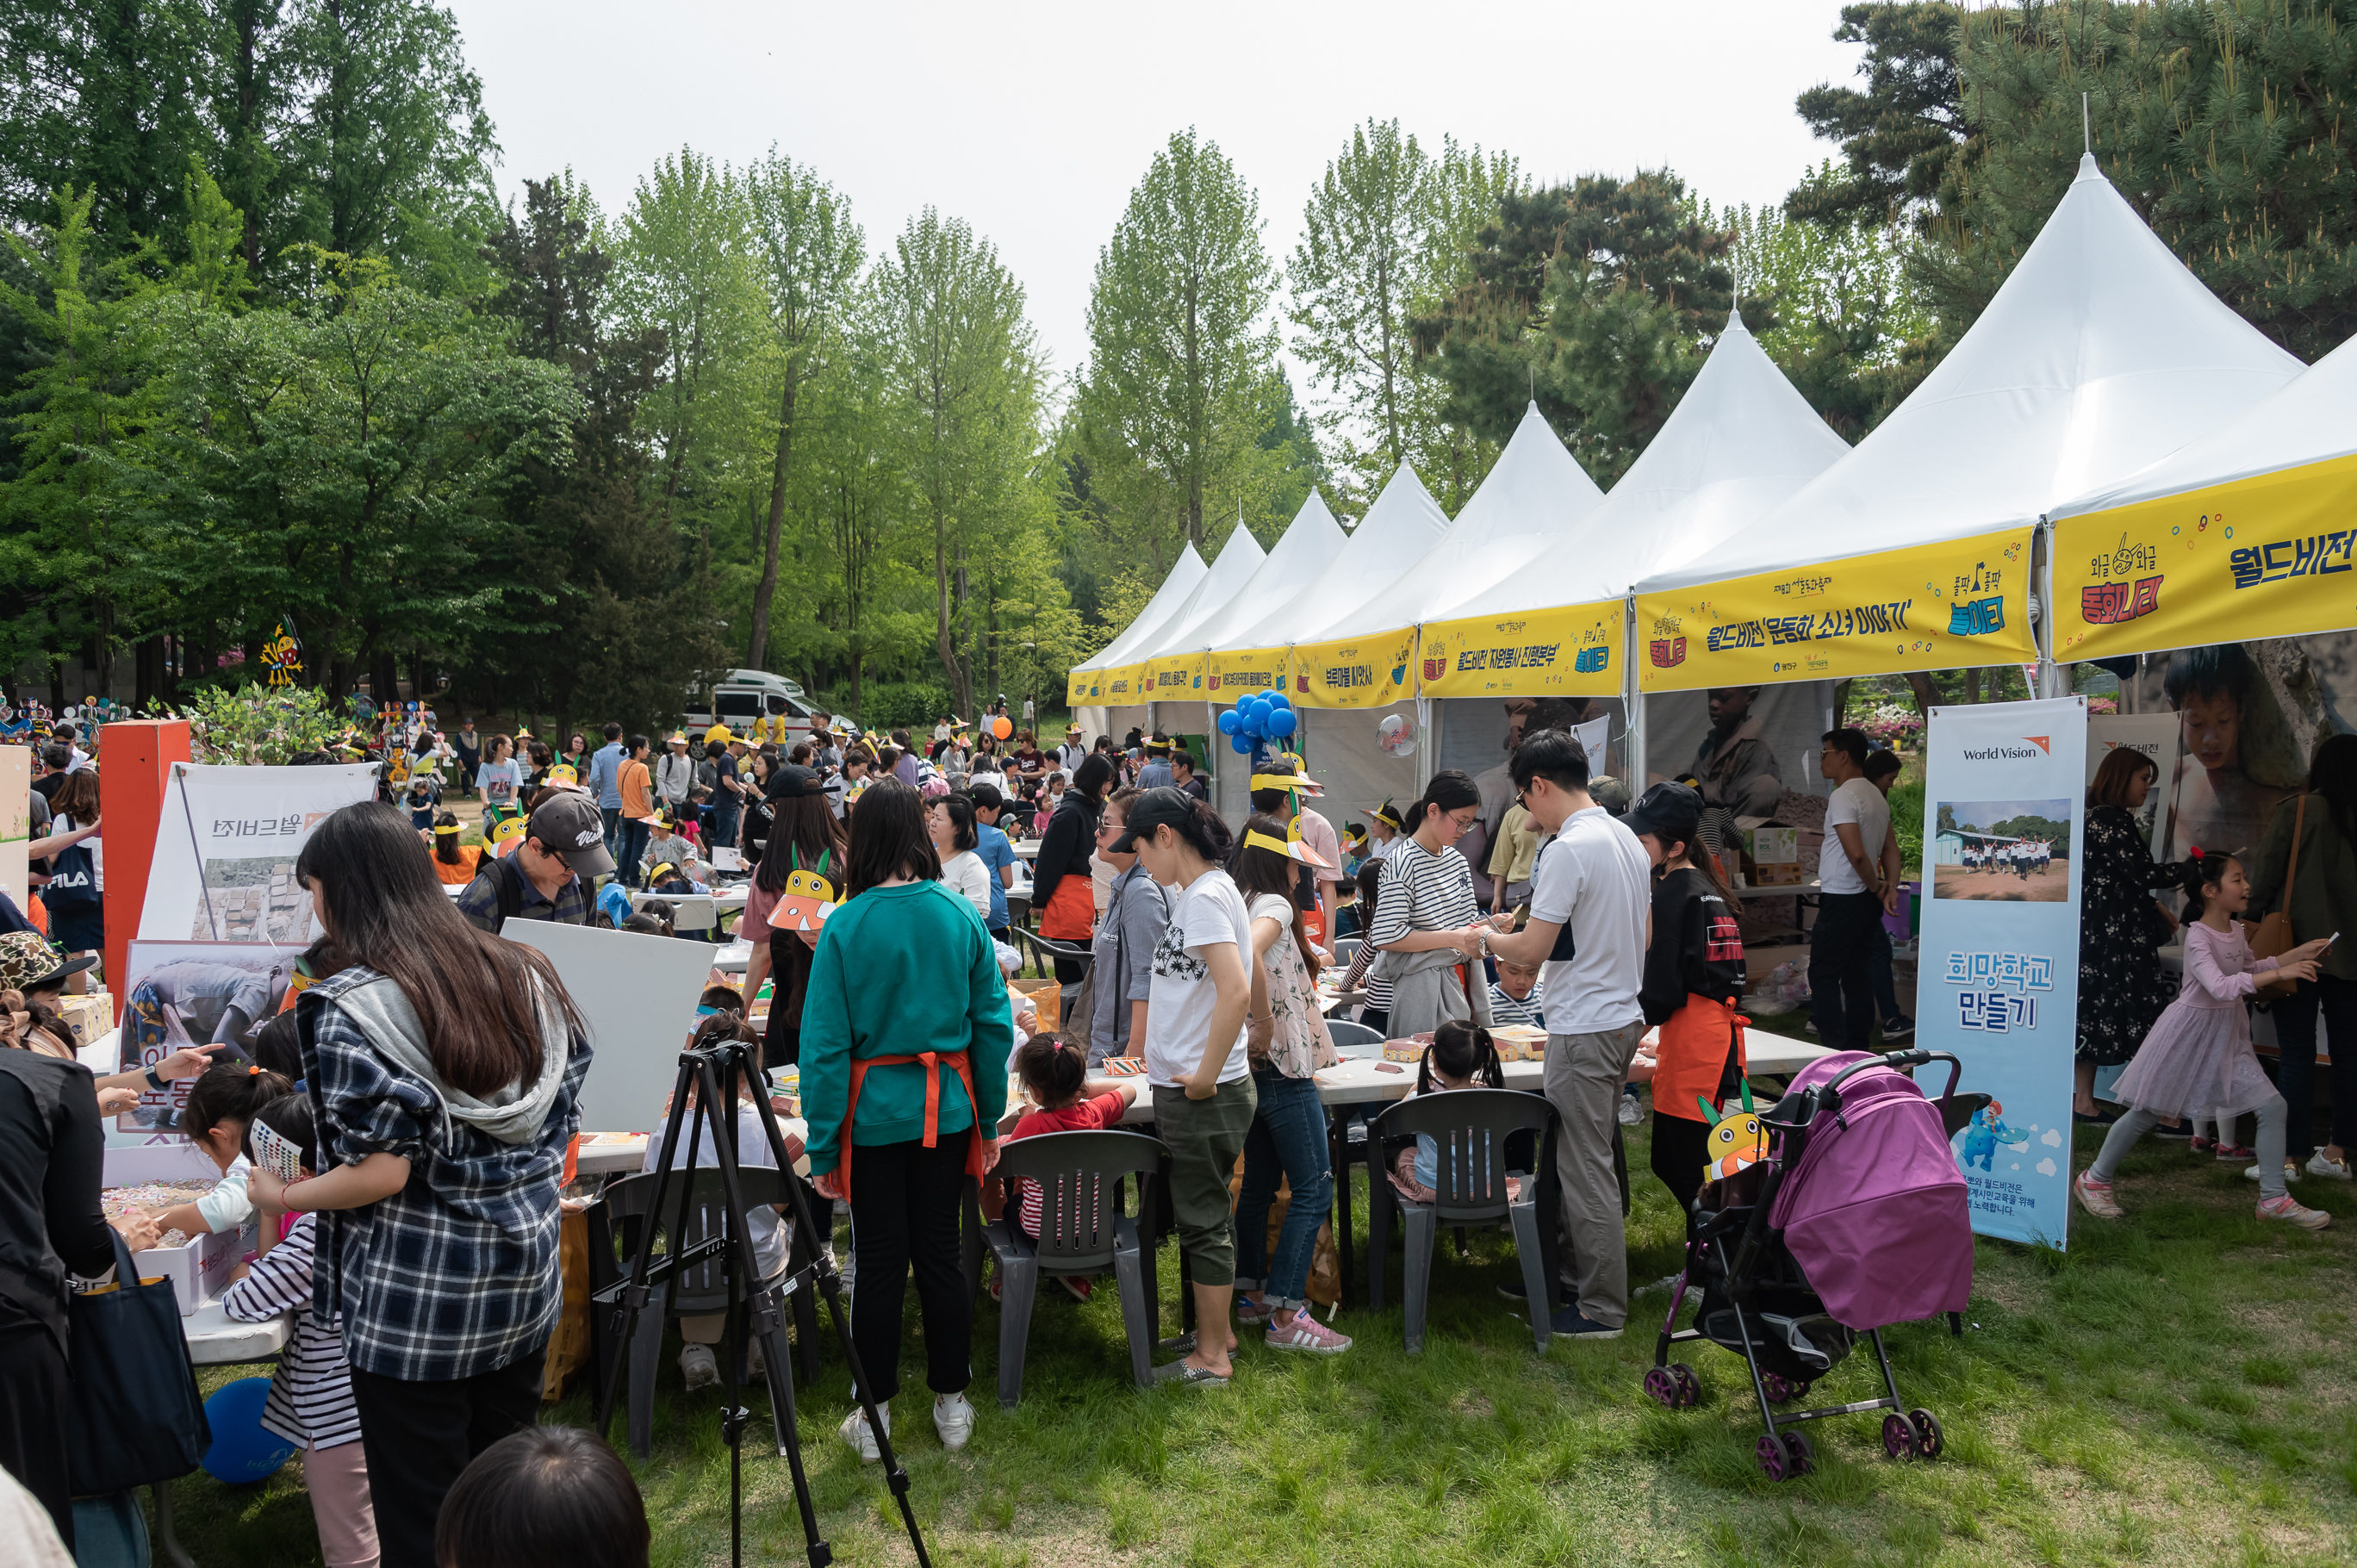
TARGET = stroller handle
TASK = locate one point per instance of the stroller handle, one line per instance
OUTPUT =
(1897, 1059)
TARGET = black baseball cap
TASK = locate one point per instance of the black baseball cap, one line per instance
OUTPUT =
(568, 823)
(1671, 812)
(1167, 803)
(794, 779)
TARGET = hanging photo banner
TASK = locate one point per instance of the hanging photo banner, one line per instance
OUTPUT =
(2005, 788)
(180, 994)
(2156, 736)
(225, 848)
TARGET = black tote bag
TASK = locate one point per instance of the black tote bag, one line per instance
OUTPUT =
(136, 1417)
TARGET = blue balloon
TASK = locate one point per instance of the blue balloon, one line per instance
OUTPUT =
(1243, 744)
(1283, 723)
(1279, 701)
(1227, 722)
(243, 1452)
(1261, 708)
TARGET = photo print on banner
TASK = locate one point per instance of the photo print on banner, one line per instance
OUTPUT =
(193, 993)
(1999, 975)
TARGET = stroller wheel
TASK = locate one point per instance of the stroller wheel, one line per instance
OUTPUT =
(1689, 1386)
(1779, 1388)
(1929, 1440)
(1664, 1386)
(1898, 1436)
(1804, 1457)
(1801, 1389)
(1775, 1459)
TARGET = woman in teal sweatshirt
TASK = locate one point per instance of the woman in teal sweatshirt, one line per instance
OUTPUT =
(905, 1037)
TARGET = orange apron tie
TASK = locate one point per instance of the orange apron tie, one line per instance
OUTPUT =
(1692, 1053)
(931, 1062)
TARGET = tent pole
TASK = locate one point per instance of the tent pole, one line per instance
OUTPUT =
(1632, 701)
(2051, 681)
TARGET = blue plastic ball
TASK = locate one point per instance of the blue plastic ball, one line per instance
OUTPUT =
(1227, 722)
(1283, 723)
(242, 1451)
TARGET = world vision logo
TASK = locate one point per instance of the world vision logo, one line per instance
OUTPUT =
(2042, 742)
(2006, 751)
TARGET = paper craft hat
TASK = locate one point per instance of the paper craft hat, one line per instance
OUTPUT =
(564, 773)
(808, 900)
(1292, 849)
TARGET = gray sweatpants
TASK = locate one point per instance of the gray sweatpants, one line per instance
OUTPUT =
(2135, 1123)
(1583, 1080)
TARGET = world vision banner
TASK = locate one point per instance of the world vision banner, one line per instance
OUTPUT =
(1171, 678)
(2260, 553)
(1227, 676)
(1931, 607)
(1366, 673)
(1572, 652)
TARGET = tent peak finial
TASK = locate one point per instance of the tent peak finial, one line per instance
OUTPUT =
(2086, 127)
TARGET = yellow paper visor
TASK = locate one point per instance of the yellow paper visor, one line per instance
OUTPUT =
(1292, 849)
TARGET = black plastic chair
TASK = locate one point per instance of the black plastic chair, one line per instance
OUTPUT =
(702, 1289)
(1355, 1038)
(1472, 1128)
(1045, 950)
(1082, 1231)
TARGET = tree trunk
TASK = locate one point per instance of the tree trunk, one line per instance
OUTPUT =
(757, 644)
(1927, 696)
(1973, 684)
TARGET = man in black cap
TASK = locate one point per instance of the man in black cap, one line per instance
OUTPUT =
(546, 877)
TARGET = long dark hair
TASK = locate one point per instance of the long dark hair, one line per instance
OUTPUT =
(446, 846)
(2196, 874)
(2332, 776)
(803, 831)
(1263, 872)
(545, 1494)
(471, 991)
(1053, 1068)
(887, 840)
(2120, 769)
(1450, 791)
(1207, 835)
(1461, 1050)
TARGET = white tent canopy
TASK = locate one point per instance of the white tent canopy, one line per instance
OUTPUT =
(1239, 560)
(2313, 419)
(1310, 543)
(1534, 496)
(1126, 648)
(1398, 529)
(2100, 354)
(1739, 442)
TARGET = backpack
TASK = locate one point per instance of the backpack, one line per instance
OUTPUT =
(508, 884)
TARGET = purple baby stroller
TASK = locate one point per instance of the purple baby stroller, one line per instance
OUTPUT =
(1854, 1219)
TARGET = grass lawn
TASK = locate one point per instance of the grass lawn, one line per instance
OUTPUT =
(2180, 1387)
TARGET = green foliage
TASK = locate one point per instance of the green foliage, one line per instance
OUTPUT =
(1905, 137)
(1907, 820)
(254, 723)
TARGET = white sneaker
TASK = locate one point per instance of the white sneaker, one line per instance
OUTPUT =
(1630, 1113)
(2095, 1196)
(954, 1419)
(2291, 1171)
(2324, 1165)
(699, 1366)
(862, 1438)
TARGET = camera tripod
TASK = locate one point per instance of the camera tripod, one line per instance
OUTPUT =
(713, 1074)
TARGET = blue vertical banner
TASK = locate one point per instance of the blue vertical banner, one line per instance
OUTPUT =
(2003, 818)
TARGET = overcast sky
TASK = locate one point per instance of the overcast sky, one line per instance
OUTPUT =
(1032, 122)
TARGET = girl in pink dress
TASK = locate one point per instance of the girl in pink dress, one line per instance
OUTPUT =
(2197, 1056)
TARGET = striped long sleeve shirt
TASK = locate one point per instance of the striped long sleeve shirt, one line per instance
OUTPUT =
(311, 1393)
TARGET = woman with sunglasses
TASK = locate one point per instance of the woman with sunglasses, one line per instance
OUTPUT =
(1427, 915)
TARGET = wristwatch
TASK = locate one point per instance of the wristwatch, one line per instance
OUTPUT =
(154, 1079)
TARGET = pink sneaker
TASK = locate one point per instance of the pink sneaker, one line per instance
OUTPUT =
(1306, 1333)
(2095, 1196)
(2290, 1209)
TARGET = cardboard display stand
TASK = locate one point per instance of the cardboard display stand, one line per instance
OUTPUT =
(637, 995)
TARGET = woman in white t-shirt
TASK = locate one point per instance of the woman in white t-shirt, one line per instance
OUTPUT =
(1196, 1058)
(949, 819)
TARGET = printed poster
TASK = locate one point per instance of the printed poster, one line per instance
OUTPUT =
(2154, 735)
(225, 848)
(193, 993)
(2005, 789)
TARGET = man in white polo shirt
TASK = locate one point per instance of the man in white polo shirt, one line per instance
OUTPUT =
(1590, 909)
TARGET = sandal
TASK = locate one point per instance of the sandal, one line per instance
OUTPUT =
(1187, 1372)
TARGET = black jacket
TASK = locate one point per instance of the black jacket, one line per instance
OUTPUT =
(1065, 848)
(49, 1216)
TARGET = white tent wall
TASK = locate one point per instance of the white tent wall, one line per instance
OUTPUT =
(1356, 773)
(1472, 734)
(1795, 716)
(1093, 721)
(1119, 722)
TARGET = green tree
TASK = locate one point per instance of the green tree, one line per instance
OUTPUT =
(962, 369)
(1906, 140)
(1181, 382)
(809, 256)
(1385, 234)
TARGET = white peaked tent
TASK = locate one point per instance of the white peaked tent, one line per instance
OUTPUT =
(1535, 496)
(1238, 559)
(1135, 639)
(2100, 354)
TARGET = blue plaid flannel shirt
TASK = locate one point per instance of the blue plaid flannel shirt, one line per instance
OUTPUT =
(456, 1274)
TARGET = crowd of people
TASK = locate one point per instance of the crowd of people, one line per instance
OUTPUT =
(425, 1072)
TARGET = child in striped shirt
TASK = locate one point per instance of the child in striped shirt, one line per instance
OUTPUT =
(310, 1401)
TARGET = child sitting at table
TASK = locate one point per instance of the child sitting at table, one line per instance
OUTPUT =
(772, 1234)
(310, 1401)
(1461, 1056)
(221, 1102)
(1055, 1079)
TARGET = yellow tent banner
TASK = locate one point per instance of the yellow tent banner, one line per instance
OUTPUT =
(1242, 673)
(1171, 678)
(1573, 650)
(1364, 673)
(2258, 557)
(1929, 607)
(1081, 686)
(1119, 686)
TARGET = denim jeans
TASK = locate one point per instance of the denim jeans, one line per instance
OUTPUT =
(629, 852)
(724, 824)
(1288, 1134)
(1841, 988)
(611, 816)
(2296, 1038)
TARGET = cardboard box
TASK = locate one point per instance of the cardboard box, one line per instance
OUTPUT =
(1046, 995)
(199, 1270)
(89, 1016)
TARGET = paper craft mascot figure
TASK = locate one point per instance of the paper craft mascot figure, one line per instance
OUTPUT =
(808, 899)
(1985, 1131)
(1736, 1139)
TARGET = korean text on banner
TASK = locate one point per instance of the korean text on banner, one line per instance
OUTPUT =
(2005, 788)
(1172, 678)
(1244, 671)
(1119, 687)
(1078, 686)
(1930, 606)
(225, 850)
(2156, 737)
(2267, 551)
(1571, 652)
(1364, 673)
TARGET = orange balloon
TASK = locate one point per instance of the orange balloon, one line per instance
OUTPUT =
(1002, 726)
